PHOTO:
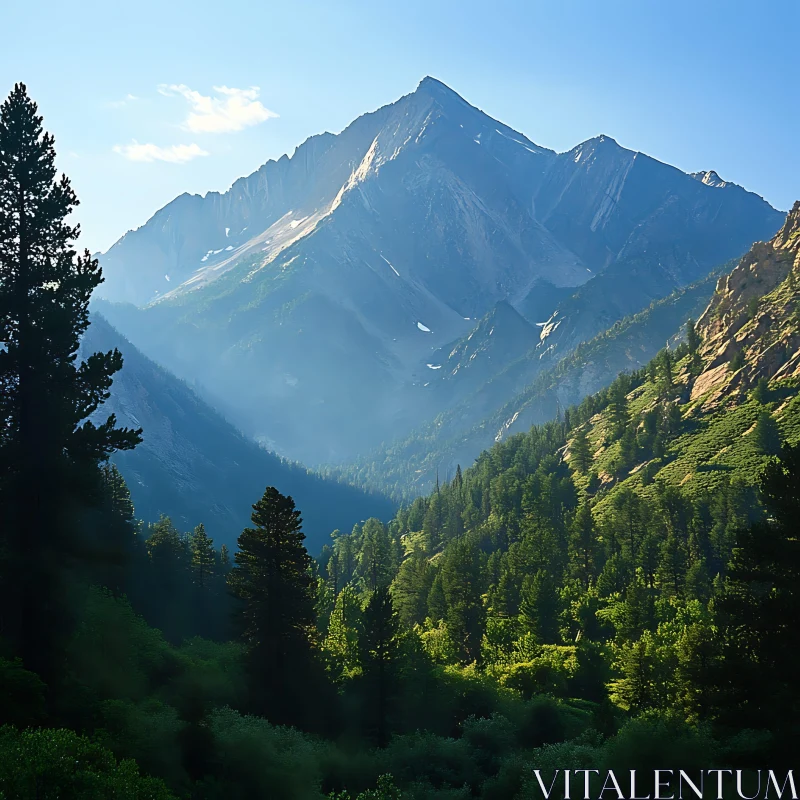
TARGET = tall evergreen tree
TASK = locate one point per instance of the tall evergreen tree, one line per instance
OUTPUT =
(766, 434)
(375, 562)
(411, 587)
(48, 446)
(378, 647)
(580, 451)
(341, 643)
(759, 684)
(618, 413)
(272, 578)
(540, 607)
(665, 364)
(583, 545)
(692, 336)
(203, 558)
(462, 590)
(114, 534)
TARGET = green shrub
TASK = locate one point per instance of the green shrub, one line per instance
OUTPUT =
(49, 764)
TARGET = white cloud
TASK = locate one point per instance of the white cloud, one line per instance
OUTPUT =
(175, 154)
(129, 98)
(230, 110)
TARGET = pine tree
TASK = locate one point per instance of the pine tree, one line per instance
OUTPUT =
(759, 682)
(47, 444)
(767, 435)
(342, 639)
(580, 451)
(334, 571)
(115, 534)
(378, 647)
(272, 579)
(540, 607)
(639, 685)
(761, 391)
(116, 492)
(618, 413)
(165, 545)
(628, 515)
(692, 336)
(437, 606)
(672, 565)
(665, 363)
(583, 545)
(411, 587)
(432, 523)
(203, 557)
(462, 590)
(375, 559)
(693, 344)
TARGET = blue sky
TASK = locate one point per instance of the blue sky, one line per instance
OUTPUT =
(129, 89)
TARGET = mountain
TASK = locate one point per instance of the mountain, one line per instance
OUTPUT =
(740, 397)
(755, 316)
(307, 302)
(507, 405)
(754, 310)
(195, 467)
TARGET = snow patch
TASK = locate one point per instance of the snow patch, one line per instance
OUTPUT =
(517, 141)
(433, 366)
(548, 328)
(295, 222)
(227, 231)
(423, 328)
(166, 277)
(205, 257)
(390, 264)
(229, 247)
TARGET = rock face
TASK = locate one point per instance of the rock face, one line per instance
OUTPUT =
(751, 328)
(195, 467)
(307, 301)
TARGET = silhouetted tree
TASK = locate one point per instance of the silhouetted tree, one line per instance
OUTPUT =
(378, 647)
(272, 578)
(48, 446)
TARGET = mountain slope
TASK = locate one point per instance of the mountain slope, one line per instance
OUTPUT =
(307, 301)
(195, 467)
(744, 390)
(500, 409)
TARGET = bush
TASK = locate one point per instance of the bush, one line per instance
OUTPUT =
(50, 764)
(253, 758)
(21, 694)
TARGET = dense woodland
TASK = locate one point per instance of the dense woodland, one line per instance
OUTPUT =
(559, 604)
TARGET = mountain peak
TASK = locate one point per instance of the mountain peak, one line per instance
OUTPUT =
(435, 88)
(605, 139)
(709, 178)
(791, 227)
